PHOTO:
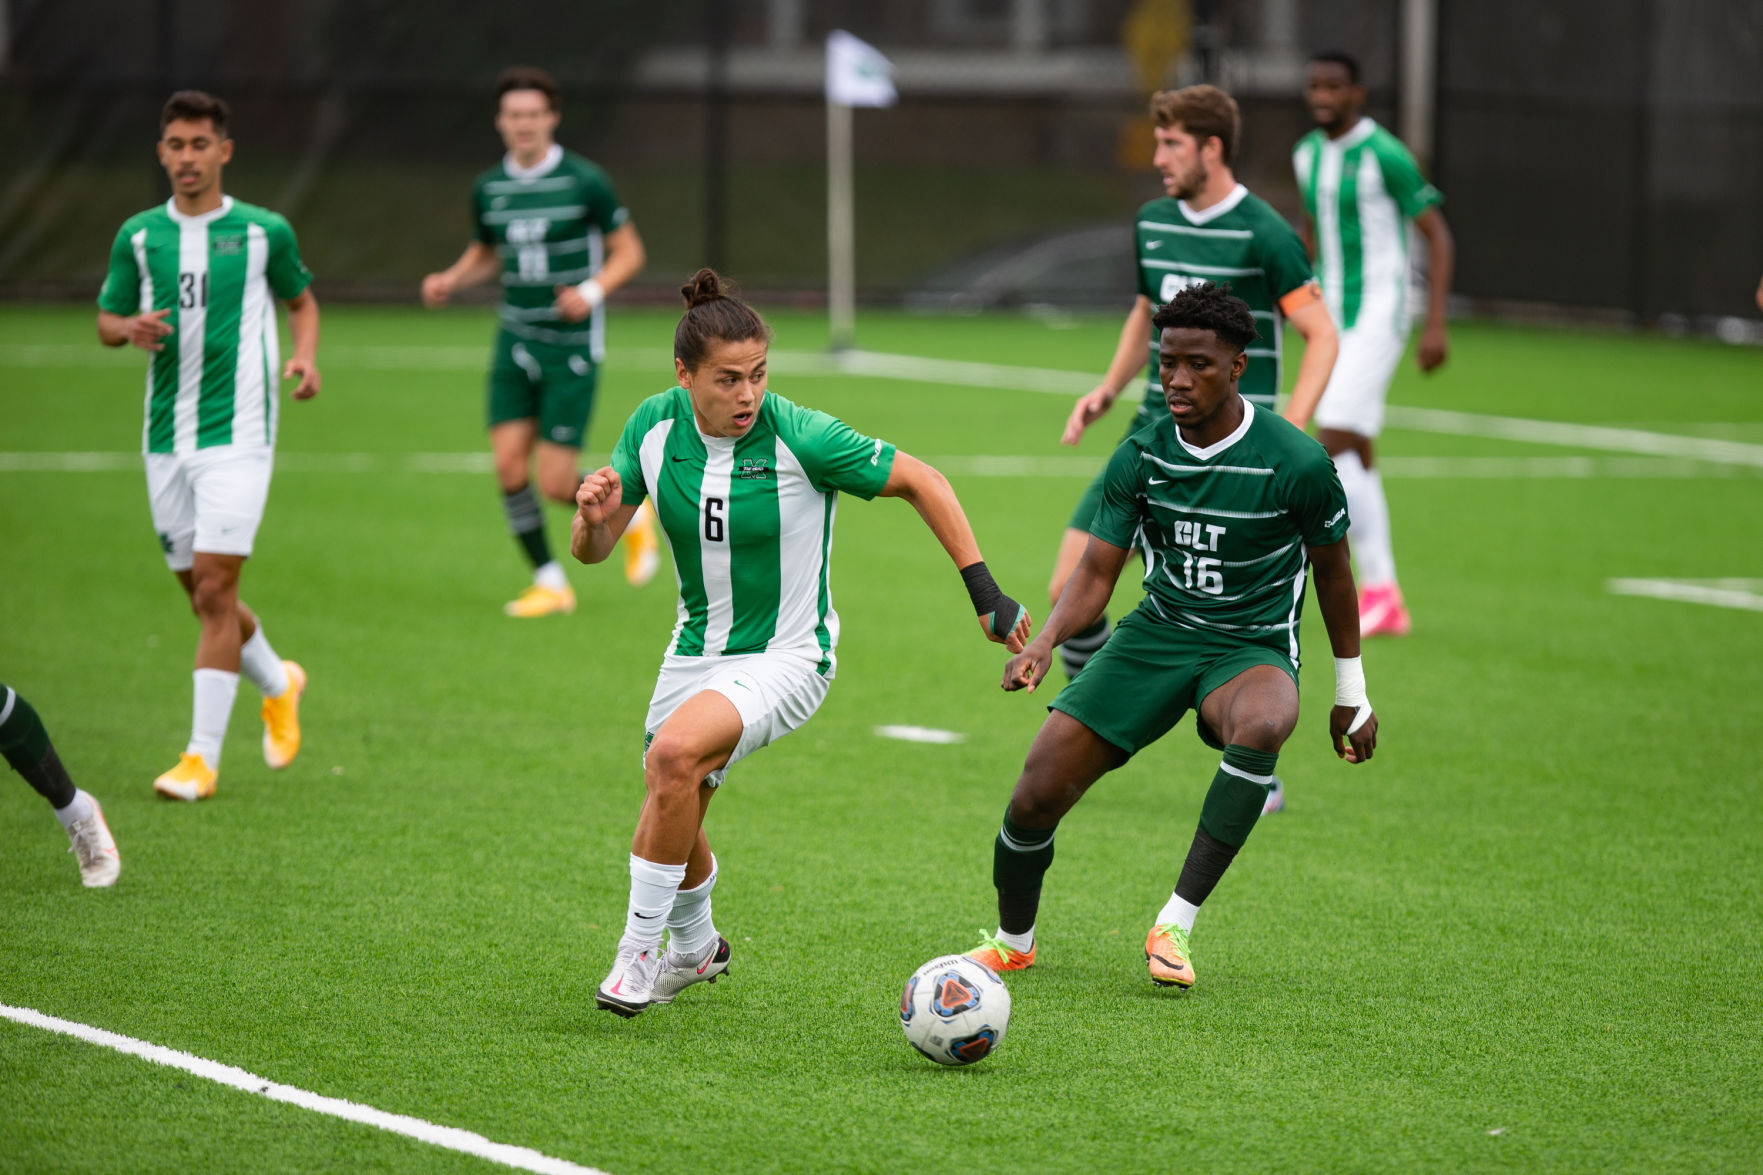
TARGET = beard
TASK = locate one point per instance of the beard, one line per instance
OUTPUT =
(1190, 183)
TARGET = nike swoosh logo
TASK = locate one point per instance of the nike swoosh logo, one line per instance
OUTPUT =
(648, 916)
(1158, 481)
(1153, 244)
(744, 686)
(682, 458)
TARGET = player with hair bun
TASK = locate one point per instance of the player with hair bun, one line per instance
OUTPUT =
(746, 485)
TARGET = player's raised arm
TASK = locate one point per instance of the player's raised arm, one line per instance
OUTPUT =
(1086, 593)
(1129, 360)
(1352, 717)
(1003, 620)
(601, 515)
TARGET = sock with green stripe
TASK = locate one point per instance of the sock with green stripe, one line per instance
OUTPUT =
(1020, 858)
(526, 521)
(1079, 647)
(1233, 804)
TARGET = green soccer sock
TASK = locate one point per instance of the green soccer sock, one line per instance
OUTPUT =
(1233, 804)
(25, 744)
(526, 520)
(1020, 858)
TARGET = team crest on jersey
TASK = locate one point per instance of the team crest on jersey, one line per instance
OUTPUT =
(227, 244)
(755, 468)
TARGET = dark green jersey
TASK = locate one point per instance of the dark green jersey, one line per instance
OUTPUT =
(1223, 529)
(749, 519)
(549, 224)
(1240, 240)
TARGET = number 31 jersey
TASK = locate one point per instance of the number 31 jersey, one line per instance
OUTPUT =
(749, 520)
(1224, 528)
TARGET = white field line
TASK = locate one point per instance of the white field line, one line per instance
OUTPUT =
(966, 465)
(921, 734)
(919, 369)
(1744, 594)
(448, 1137)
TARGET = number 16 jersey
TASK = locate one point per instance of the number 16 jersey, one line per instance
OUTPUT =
(749, 520)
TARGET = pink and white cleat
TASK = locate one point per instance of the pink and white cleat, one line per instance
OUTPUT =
(1382, 612)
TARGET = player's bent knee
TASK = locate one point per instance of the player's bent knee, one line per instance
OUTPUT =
(560, 488)
(673, 767)
(215, 595)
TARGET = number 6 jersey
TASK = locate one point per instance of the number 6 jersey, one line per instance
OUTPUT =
(749, 520)
(1224, 528)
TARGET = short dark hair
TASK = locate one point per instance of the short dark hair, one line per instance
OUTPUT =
(195, 106)
(529, 77)
(1341, 58)
(713, 314)
(1205, 112)
(1209, 307)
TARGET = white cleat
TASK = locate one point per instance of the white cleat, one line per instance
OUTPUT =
(95, 849)
(679, 972)
(630, 986)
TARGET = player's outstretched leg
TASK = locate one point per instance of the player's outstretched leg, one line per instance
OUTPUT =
(26, 746)
(281, 683)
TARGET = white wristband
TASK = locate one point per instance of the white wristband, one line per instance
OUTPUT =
(593, 292)
(1349, 689)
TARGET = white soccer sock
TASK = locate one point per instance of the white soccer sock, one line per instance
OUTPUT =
(215, 690)
(550, 576)
(690, 930)
(1370, 514)
(1180, 912)
(79, 808)
(261, 667)
(1022, 943)
(653, 889)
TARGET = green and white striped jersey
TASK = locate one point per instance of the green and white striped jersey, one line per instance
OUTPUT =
(1362, 190)
(749, 520)
(549, 223)
(219, 274)
(1240, 240)
(1223, 529)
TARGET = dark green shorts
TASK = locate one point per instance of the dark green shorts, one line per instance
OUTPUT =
(1092, 499)
(552, 383)
(1151, 673)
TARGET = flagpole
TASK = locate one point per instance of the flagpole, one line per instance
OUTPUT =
(841, 294)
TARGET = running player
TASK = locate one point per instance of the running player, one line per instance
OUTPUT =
(26, 746)
(194, 282)
(549, 225)
(1228, 503)
(746, 485)
(1208, 227)
(1362, 189)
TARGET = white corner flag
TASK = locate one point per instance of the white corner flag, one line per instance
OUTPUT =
(856, 75)
(856, 72)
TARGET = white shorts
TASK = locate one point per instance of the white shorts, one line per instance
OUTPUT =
(210, 500)
(774, 693)
(1360, 382)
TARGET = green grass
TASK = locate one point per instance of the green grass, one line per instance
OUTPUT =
(1533, 913)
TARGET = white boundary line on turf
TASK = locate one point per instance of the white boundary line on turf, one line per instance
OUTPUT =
(448, 1137)
(1051, 381)
(1744, 594)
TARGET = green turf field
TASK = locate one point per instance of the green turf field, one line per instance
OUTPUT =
(1523, 938)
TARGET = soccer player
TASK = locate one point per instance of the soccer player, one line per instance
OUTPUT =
(1228, 503)
(194, 282)
(1207, 227)
(551, 228)
(746, 485)
(26, 746)
(1362, 189)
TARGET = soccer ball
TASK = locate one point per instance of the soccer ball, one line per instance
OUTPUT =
(954, 1010)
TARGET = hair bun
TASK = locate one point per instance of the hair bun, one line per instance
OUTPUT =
(706, 286)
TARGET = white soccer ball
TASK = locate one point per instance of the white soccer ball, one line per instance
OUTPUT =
(955, 1010)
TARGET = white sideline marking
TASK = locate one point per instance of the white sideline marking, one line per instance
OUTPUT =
(449, 1137)
(921, 734)
(964, 465)
(919, 369)
(1744, 594)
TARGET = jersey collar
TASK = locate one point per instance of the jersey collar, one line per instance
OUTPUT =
(1360, 132)
(171, 210)
(1213, 450)
(1217, 210)
(515, 171)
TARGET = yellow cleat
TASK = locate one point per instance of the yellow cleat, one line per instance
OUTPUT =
(191, 780)
(281, 720)
(642, 549)
(1166, 953)
(540, 601)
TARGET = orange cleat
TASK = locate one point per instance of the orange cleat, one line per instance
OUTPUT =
(999, 956)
